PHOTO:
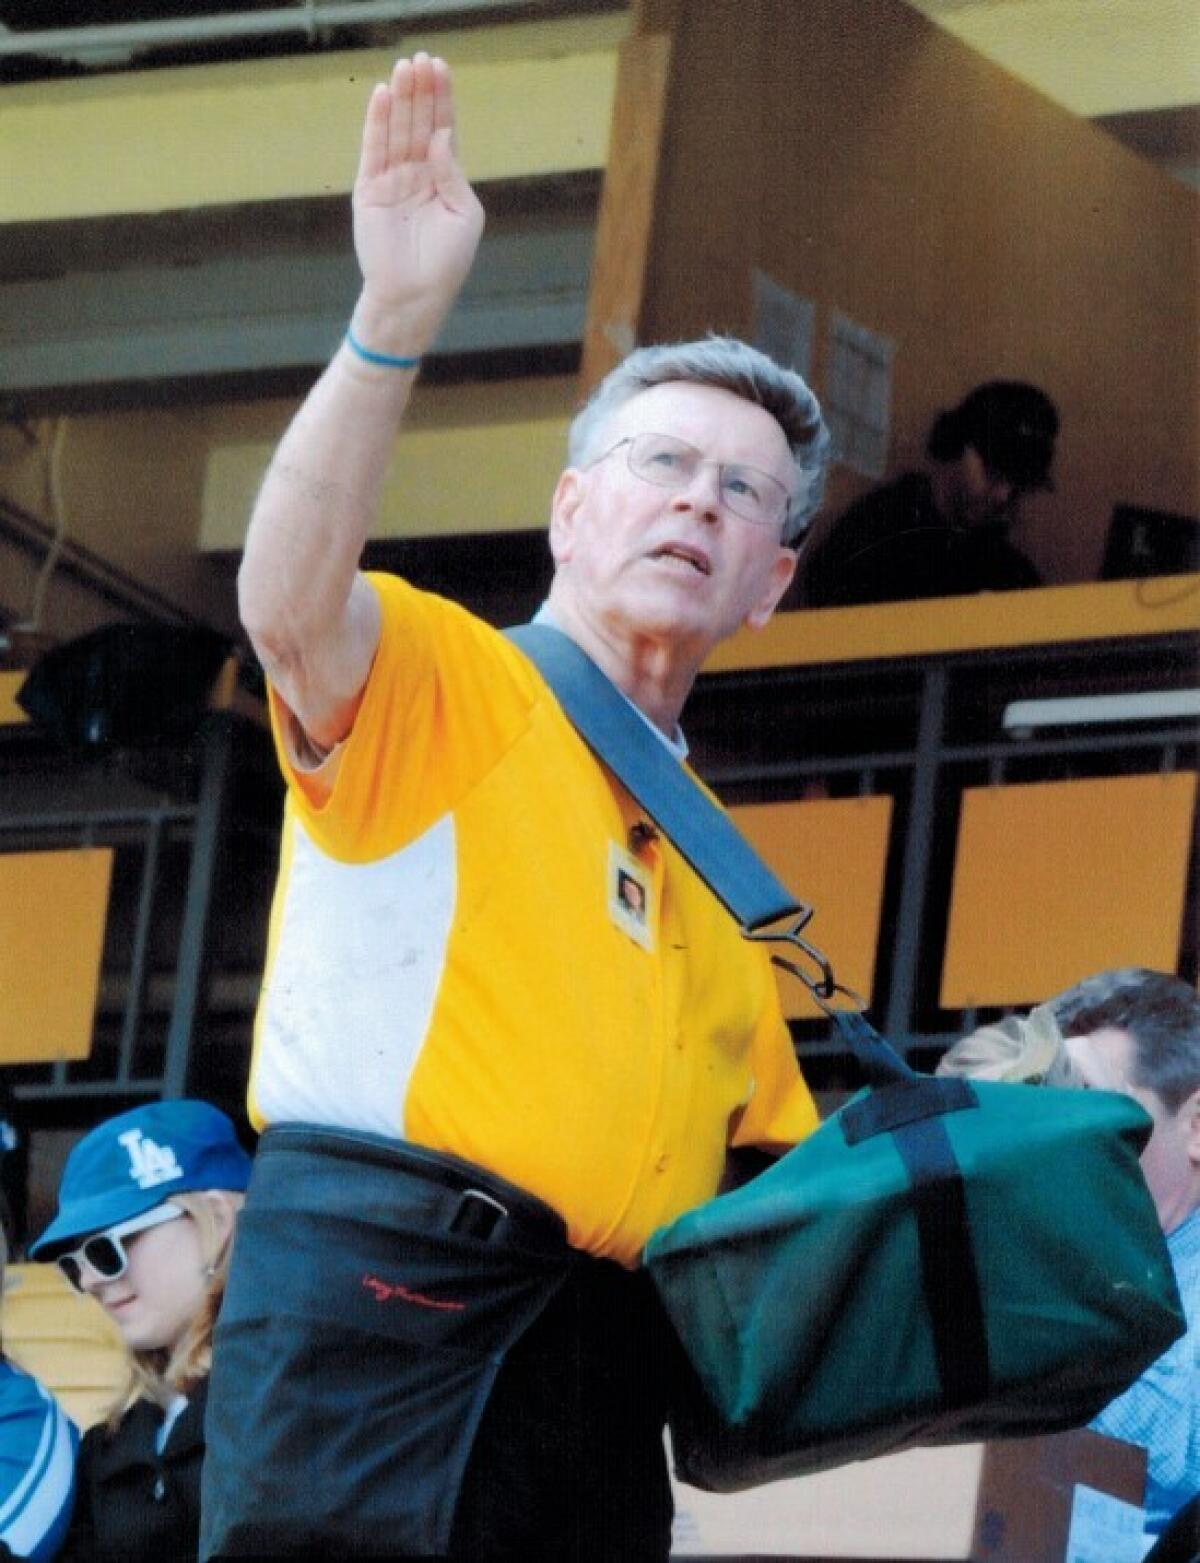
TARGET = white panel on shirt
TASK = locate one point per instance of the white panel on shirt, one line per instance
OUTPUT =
(358, 962)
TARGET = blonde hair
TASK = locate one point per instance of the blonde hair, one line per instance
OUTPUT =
(1023, 1051)
(162, 1374)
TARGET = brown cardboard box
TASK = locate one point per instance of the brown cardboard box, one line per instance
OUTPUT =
(1008, 1502)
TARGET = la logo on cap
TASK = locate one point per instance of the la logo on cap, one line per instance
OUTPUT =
(149, 1163)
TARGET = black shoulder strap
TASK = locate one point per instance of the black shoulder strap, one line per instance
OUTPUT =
(908, 1106)
(614, 731)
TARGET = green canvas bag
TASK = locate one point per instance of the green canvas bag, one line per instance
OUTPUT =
(942, 1261)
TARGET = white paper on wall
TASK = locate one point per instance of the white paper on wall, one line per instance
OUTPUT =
(783, 323)
(858, 399)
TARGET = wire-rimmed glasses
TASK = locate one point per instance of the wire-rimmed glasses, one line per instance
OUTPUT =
(672, 463)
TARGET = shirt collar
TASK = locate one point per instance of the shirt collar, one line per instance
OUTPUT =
(1184, 1240)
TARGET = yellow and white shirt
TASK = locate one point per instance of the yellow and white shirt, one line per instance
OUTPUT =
(447, 964)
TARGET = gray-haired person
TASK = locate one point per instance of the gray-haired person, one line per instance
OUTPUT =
(483, 1082)
(1138, 1031)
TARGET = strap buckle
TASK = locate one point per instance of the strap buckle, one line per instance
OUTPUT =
(823, 986)
(478, 1215)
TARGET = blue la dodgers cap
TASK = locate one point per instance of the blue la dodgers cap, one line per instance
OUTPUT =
(132, 1162)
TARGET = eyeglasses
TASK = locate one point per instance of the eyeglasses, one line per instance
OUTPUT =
(666, 462)
(105, 1252)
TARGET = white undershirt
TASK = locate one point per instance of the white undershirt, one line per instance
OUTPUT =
(170, 1416)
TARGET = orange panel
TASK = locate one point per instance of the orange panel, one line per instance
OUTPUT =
(52, 909)
(1056, 880)
(831, 853)
(10, 711)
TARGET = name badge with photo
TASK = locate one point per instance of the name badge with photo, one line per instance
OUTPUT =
(630, 896)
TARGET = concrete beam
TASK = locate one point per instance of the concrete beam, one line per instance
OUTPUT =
(534, 99)
(237, 314)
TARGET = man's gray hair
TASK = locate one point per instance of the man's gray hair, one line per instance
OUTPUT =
(1161, 1013)
(728, 365)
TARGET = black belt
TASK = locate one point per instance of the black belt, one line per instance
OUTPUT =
(466, 1199)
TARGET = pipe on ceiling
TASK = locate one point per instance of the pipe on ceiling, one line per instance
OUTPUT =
(113, 39)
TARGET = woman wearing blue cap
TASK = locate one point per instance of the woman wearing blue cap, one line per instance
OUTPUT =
(146, 1214)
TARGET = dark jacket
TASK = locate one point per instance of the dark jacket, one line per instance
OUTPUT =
(132, 1504)
(893, 544)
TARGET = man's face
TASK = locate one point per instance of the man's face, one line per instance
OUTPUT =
(978, 494)
(673, 564)
(1171, 1160)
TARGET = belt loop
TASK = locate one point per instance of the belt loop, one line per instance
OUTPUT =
(478, 1215)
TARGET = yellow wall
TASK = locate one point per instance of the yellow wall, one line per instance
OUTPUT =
(151, 490)
(156, 491)
(1094, 611)
(1093, 56)
(533, 99)
(471, 458)
(130, 486)
(887, 171)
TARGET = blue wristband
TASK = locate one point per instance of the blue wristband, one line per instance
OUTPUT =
(384, 360)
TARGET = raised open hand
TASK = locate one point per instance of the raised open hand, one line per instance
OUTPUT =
(417, 221)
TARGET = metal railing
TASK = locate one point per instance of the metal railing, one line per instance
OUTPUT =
(197, 845)
(941, 719)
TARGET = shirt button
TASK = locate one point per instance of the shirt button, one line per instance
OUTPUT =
(663, 1162)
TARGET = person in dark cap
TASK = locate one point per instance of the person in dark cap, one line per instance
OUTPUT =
(146, 1213)
(943, 532)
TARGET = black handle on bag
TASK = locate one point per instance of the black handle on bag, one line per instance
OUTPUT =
(900, 1095)
(910, 1107)
(878, 1059)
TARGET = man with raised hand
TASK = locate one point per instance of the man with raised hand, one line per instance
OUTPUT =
(483, 1083)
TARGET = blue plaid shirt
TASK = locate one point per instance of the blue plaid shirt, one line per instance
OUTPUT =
(1161, 1410)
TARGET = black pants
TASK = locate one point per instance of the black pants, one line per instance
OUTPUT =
(568, 1463)
(410, 1362)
